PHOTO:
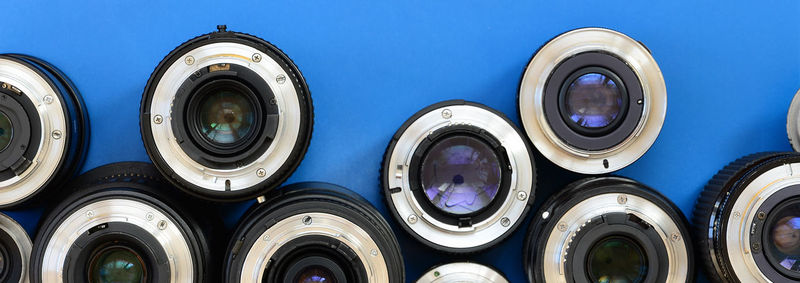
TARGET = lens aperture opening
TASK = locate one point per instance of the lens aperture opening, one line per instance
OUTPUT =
(117, 264)
(616, 259)
(593, 100)
(460, 175)
(226, 115)
(316, 274)
(6, 131)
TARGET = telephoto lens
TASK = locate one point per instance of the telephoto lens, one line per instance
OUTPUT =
(608, 229)
(313, 232)
(43, 128)
(458, 176)
(793, 122)
(458, 272)
(592, 100)
(124, 224)
(226, 116)
(747, 220)
(15, 251)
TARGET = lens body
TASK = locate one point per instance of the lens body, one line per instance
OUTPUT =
(458, 176)
(746, 220)
(15, 251)
(608, 229)
(793, 122)
(457, 272)
(226, 116)
(313, 232)
(592, 100)
(123, 223)
(43, 128)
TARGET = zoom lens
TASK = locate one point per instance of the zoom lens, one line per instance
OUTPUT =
(589, 107)
(458, 176)
(313, 232)
(226, 116)
(43, 128)
(123, 223)
(608, 229)
(458, 272)
(15, 251)
(747, 220)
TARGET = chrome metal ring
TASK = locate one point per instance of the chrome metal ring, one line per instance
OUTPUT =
(21, 240)
(565, 46)
(793, 122)
(462, 272)
(143, 215)
(558, 241)
(53, 122)
(409, 210)
(247, 175)
(310, 224)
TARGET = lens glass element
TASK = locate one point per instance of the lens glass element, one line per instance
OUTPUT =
(785, 236)
(593, 100)
(226, 116)
(616, 259)
(6, 131)
(118, 265)
(460, 174)
(315, 274)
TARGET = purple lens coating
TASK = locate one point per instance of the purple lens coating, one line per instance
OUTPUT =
(785, 235)
(593, 100)
(460, 174)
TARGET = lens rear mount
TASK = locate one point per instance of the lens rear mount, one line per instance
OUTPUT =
(592, 100)
(226, 116)
(15, 251)
(582, 233)
(43, 131)
(458, 176)
(457, 272)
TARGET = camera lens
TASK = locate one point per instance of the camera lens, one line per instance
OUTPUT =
(747, 220)
(117, 264)
(608, 229)
(457, 272)
(589, 107)
(793, 122)
(458, 176)
(43, 129)
(15, 251)
(617, 259)
(226, 116)
(123, 223)
(313, 232)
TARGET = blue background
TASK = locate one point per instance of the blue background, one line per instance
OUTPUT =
(731, 70)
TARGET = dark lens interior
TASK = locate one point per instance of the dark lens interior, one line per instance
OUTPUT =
(226, 116)
(316, 274)
(616, 259)
(117, 265)
(6, 131)
(784, 236)
(2, 264)
(460, 174)
(593, 100)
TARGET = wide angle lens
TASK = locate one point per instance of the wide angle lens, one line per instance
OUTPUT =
(313, 232)
(458, 176)
(761, 193)
(587, 106)
(124, 223)
(44, 129)
(226, 116)
(608, 229)
(461, 175)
